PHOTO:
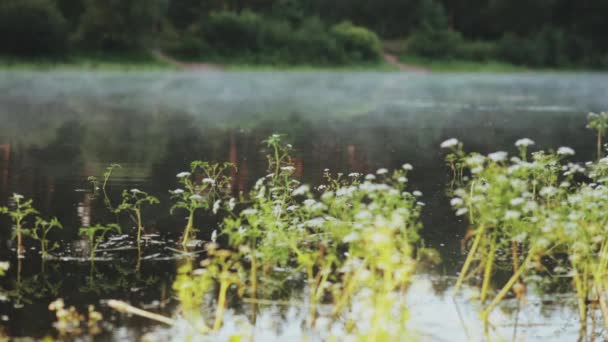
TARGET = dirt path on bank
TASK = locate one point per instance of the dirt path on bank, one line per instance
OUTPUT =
(394, 61)
(161, 56)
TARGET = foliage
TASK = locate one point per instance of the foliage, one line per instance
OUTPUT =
(206, 186)
(358, 43)
(276, 40)
(23, 209)
(548, 214)
(117, 25)
(132, 202)
(32, 28)
(96, 235)
(352, 239)
(41, 230)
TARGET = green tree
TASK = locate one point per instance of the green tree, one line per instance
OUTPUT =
(120, 25)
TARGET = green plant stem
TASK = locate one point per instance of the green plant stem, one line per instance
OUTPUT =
(188, 230)
(140, 228)
(468, 261)
(581, 296)
(503, 292)
(487, 274)
(221, 305)
(349, 287)
(254, 281)
(20, 250)
(599, 144)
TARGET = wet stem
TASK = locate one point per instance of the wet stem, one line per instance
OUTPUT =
(140, 227)
(20, 250)
(221, 302)
(468, 261)
(188, 230)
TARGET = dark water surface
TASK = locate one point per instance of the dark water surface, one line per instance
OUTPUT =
(59, 128)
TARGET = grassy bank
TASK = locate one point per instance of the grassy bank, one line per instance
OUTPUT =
(451, 65)
(87, 62)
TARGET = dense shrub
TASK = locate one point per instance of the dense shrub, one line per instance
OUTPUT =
(31, 28)
(119, 25)
(358, 43)
(250, 37)
(435, 43)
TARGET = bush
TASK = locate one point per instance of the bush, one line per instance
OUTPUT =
(358, 43)
(31, 28)
(478, 51)
(251, 37)
(435, 43)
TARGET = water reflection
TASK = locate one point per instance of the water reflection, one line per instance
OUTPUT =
(59, 128)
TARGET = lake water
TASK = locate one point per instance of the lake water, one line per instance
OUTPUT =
(58, 128)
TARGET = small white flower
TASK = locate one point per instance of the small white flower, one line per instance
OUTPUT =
(524, 142)
(548, 191)
(183, 174)
(288, 168)
(135, 191)
(4, 265)
(291, 208)
(231, 204)
(214, 236)
(402, 180)
(370, 177)
(498, 156)
(517, 201)
(565, 151)
(301, 190)
(407, 167)
(456, 201)
(208, 181)
(216, 206)
(196, 197)
(449, 143)
(178, 191)
(17, 197)
(354, 174)
(461, 211)
(417, 193)
(309, 202)
(382, 171)
(512, 215)
(250, 211)
(351, 237)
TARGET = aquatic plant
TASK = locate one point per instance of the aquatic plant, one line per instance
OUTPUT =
(545, 209)
(96, 235)
(599, 123)
(103, 185)
(132, 202)
(40, 231)
(504, 199)
(363, 227)
(22, 209)
(206, 186)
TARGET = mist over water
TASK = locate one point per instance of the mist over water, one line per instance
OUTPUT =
(60, 127)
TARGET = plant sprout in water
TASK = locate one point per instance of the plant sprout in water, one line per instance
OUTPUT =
(22, 209)
(132, 202)
(206, 186)
(96, 235)
(41, 230)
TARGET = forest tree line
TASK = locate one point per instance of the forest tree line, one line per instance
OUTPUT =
(545, 33)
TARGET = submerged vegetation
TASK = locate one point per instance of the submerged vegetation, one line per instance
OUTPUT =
(350, 246)
(547, 214)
